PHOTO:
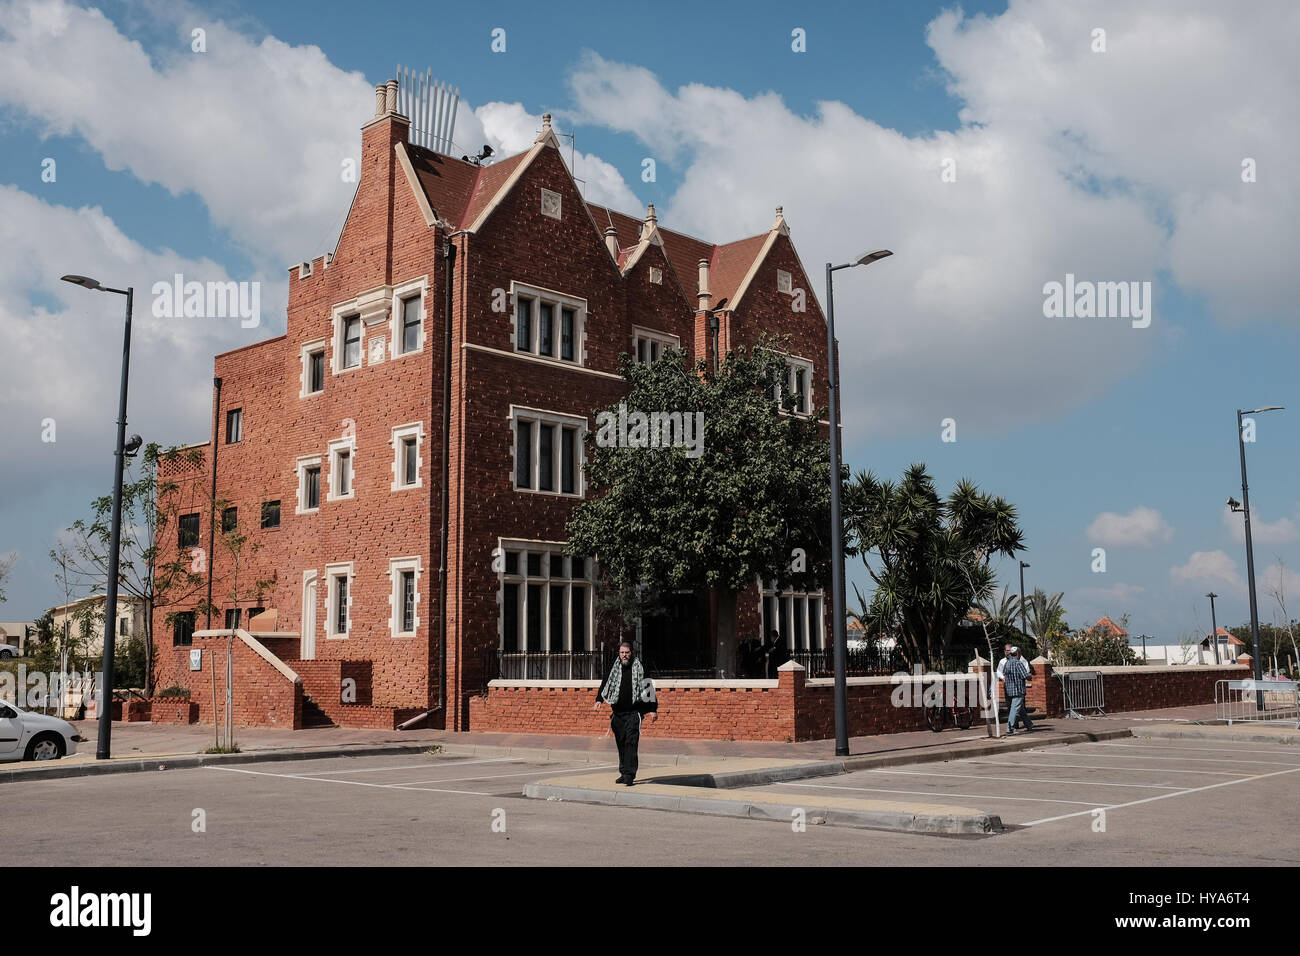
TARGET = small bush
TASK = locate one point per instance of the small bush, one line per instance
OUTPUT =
(175, 692)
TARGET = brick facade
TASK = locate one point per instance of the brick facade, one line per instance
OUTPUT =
(463, 237)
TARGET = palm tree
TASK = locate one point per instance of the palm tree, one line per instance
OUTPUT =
(1046, 617)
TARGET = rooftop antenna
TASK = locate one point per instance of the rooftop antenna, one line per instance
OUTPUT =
(431, 107)
(572, 167)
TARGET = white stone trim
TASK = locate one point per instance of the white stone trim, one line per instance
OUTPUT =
(525, 357)
(420, 286)
(665, 339)
(395, 567)
(541, 416)
(303, 463)
(400, 434)
(552, 204)
(404, 160)
(558, 300)
(348, 444)
(304, 353)
(332, 573)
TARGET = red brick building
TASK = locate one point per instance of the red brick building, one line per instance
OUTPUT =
(407, 454)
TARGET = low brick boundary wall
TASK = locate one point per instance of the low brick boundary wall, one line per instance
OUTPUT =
(172, 710)
(793, 708)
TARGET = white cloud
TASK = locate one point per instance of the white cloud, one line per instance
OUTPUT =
(1060, 168)
(1141, 528)
(1209, 568)
(1261, 532)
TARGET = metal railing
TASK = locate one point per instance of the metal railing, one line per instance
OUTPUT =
(537, 665)
(1083, 690)
(1242, 701)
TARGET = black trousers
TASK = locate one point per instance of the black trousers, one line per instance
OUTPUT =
(627, 734)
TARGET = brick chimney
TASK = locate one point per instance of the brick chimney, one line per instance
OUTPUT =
(611, 242)
(371, 217)
(705, 297)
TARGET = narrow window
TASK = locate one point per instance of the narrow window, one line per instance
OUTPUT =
(229, 520)
(566, 334)
(232, 618)
(545, 458)
(534, 617)
(410, 461)
(344, 462)
(234, 425)
(654, 351)
(546, 344)
(557, 565)
(270, 514)
(555, 635)
(512, 562)
(341, 611)
(188, 532)
(183, 629)
(311, 495)
(510, 619)
(408, 601)
(568, 460)
(411, 324)
(640, 351)
(578, 627)
(352, 341)
(523, 454)
(316, 372)
(524, 325)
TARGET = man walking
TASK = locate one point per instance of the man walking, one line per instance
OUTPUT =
(626, 692)
(1014, 675)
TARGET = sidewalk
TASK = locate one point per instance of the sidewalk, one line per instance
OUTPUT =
(142, 746)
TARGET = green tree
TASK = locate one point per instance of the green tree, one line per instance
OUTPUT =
(1046, 619)
(928, 556)
(755, 490)
(1095, 647)
(1003, 616)
(156, 576)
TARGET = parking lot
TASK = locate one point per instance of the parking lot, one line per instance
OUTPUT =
(1066, 785)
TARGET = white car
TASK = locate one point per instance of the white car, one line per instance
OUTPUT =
(7, 651)
(27, 736)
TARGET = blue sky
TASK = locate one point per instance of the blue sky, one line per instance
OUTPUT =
(1115, 165)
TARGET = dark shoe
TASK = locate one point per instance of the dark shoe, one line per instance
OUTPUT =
(630, 781)
(1011, 733)
(622, 778)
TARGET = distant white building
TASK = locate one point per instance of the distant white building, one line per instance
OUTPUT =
(1192, 653)
(129, 621)
(14, 634)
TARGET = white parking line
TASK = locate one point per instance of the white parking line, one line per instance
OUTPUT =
(355, 783)
(1266, 763)
(1085, 783)
(1084, 766)
(413, 766)
(1166, 796)
(937, 795)
(495, 776)
(1293, 752)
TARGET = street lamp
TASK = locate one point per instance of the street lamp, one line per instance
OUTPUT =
(1214, 628)
(102, 750)
(1023, 565)
(837, 524)
(1244, 508)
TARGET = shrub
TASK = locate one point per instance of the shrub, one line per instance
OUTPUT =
(175, 692)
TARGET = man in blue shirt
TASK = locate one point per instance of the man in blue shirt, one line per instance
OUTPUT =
(1014, 675)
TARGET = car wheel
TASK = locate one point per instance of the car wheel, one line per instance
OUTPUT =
(46, 746)
(6, 654)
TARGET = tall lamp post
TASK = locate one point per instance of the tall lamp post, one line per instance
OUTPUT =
(1214, 628)
(1244, 507)
(1023, 565)
(837, 524)
(102, 750)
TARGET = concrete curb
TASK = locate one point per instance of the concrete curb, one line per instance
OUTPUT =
(1290, 739)
(57, 771)
(973, 823)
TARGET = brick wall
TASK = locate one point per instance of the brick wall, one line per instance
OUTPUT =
(263, 697)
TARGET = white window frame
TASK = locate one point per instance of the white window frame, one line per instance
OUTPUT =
(792, 362)
(400, 434)
(522, 578)
(665, 340)
(407, 290)
(767, 589)
(305, 462)
(341, 313)
(332, 573)
(319, 345)
(540, 417)
(349, 445)
(395, 568)
(560, 301)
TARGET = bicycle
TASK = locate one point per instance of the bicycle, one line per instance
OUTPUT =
(937, 716)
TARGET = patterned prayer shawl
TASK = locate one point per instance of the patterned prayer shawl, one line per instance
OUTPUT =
(615, 681)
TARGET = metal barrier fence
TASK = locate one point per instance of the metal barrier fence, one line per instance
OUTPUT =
(1083, 690)
(1242, 701)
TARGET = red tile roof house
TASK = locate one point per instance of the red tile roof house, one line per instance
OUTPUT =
(407, 454)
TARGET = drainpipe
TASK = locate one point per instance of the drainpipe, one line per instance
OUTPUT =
(449, 255)
(212, 510)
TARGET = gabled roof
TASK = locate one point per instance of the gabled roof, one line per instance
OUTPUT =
(1105, 623)
(462, 193)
